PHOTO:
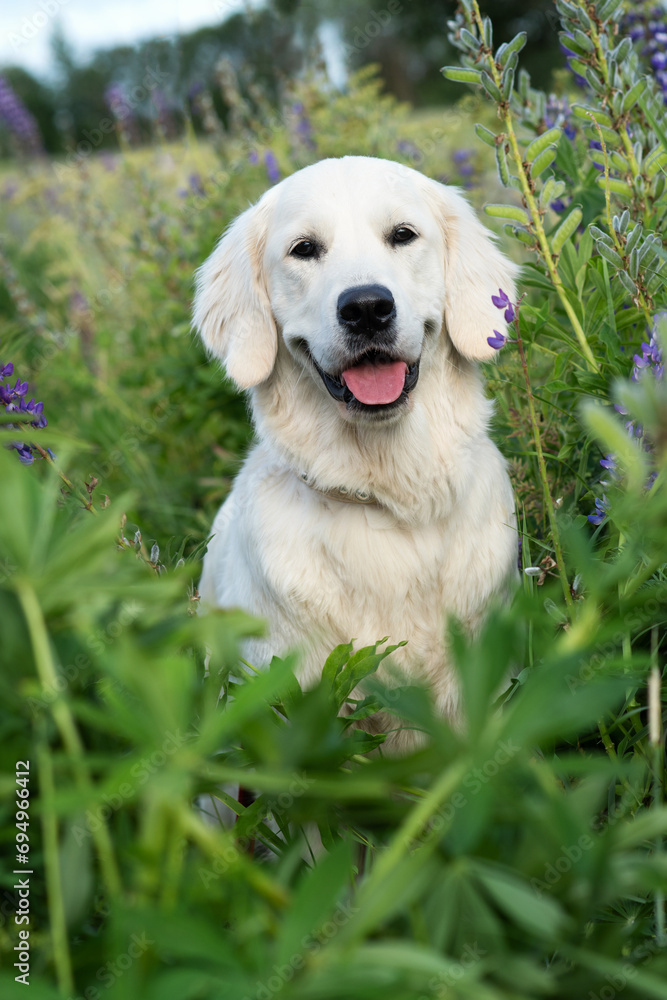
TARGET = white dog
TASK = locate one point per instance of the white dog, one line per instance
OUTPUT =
(353, 301)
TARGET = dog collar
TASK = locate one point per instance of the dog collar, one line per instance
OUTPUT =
(342, 493)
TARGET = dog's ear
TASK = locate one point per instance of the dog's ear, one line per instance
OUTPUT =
(232, 311)
(474, 271)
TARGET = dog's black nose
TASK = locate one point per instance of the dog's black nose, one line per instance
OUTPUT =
(366, 309)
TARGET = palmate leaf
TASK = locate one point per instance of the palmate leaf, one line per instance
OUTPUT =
(362, 663)
(535, 915)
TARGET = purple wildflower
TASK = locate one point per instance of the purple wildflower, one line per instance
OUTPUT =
(601, 511)
(12, 397)
(496, 342)
(650, 360)
(303, 129)
(272, 168)
(117, 102)
(20, 122)
(409, 150)
(501, 300)
(557, 113)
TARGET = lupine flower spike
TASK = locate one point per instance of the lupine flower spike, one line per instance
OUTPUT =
(12, 397)
(646, 365)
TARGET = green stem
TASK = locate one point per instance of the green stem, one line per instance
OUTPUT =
(532, 205)
(607, 740)
(87, 503)
(64, 720)
(54, 894)
(551, 511)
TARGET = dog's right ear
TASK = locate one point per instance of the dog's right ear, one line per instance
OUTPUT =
(232, 311)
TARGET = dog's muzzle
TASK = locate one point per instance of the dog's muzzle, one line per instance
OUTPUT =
(374, 383)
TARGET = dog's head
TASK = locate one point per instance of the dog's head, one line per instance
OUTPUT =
(356, 263)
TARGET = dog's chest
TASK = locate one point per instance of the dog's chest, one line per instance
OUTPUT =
(353, 570)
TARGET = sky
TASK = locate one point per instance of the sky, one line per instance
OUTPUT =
(26, 25)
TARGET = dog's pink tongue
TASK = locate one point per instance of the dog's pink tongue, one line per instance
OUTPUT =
(381, 382)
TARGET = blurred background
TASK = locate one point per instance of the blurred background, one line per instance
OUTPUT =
(66, 65)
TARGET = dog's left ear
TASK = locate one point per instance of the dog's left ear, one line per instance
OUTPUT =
(232, 311)
(474, 271)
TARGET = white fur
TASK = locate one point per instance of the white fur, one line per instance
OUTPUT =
(444, 540)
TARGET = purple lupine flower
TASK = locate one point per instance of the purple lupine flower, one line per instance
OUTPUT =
(501, 300)
(117, 102)
(648, 31)
(409, 150)
(304, 130)
(272, 168)
(558, 113)
(20, 122)
(253, 157)
(13, 398)
(496, 342)
(650, 360)
(557, 206)
(601, 511)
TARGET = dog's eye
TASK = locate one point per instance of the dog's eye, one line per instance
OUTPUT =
(304, 248)
(402, 234)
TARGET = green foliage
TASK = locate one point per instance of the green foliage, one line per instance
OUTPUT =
(517, 854)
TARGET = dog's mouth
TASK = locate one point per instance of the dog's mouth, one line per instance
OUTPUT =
(376, 382)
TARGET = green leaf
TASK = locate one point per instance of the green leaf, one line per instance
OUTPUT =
(536, 915)
(314, 900)
(336, 660)
(634, 94)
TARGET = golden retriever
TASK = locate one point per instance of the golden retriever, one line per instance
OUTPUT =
(353, 302)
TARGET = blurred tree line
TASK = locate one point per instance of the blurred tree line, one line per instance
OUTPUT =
(163, 82)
